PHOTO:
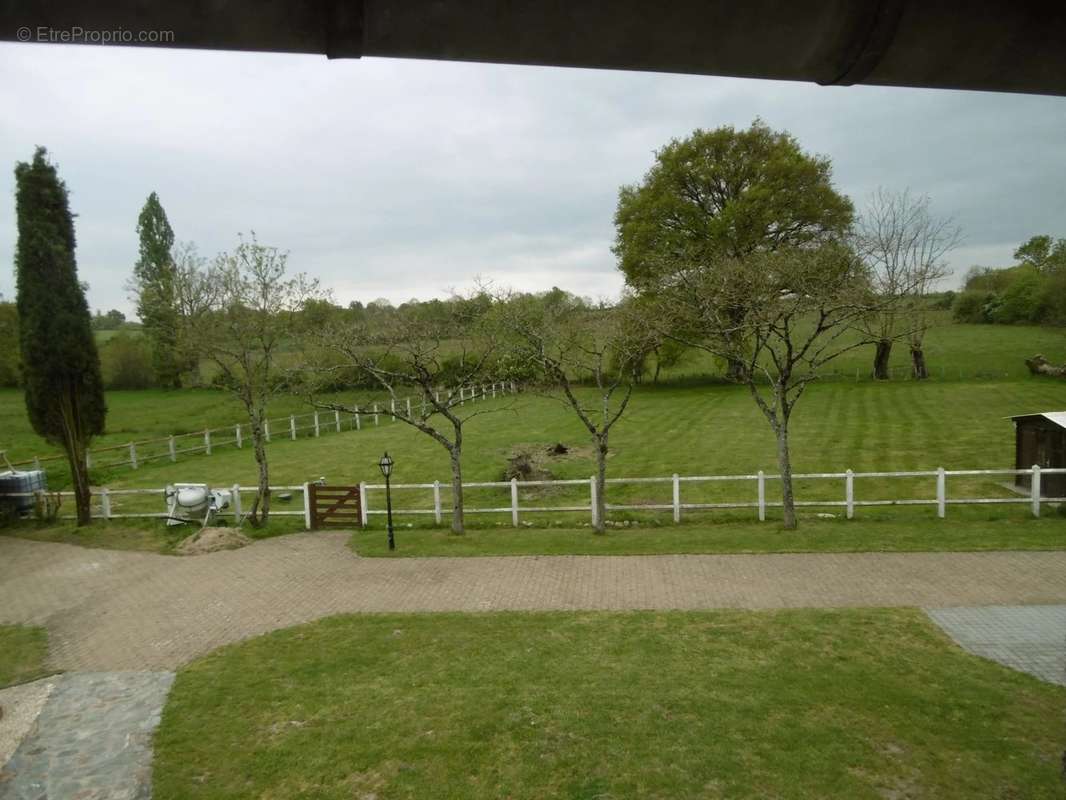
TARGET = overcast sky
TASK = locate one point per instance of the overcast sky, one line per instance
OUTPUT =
(403, 179)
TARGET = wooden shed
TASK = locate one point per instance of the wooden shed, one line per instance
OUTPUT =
(1041, 439)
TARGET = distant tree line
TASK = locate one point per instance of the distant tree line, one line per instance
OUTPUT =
(1032, 291)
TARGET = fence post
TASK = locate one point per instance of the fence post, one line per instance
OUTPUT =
(173, 451)
(1035, 490)
(514, 502)
(307, 506)
(207, 442)
(494, 391)
(462, 396)
(133, 455)
(677, 498)
(237, 433)
(238, 511)
(266, 429)
(88, 458)
(358, 420)
(592, 499)
(337, 419)
(292, 427)
(375, 413)
(941, 492)
(760, 484)
(409, 408)
(362, 502)
(317, 430)
(849, 494)
(105, 503)
(392, 409)
(512, 387)
(436, 501)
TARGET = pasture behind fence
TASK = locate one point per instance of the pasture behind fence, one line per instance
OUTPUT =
(578, 496)
(316, 423)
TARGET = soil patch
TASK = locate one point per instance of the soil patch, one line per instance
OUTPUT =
(210, 540)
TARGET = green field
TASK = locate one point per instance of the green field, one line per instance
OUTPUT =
(684, 426)
(789, 704)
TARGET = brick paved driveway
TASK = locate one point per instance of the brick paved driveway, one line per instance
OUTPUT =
(112, 610)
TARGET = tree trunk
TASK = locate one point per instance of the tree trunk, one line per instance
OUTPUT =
(457, 489)
(736, 370)
(260, 513)
(79, 469)
(884, 350)
(601, 484)
(919, 371)
(658, 367)
(785, 466)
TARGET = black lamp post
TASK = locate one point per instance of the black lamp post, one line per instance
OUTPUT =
(386, 469)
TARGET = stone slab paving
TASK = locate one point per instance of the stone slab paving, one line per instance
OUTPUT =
(91, 741)
(110, 610)
(19, 708)
(1027, 638)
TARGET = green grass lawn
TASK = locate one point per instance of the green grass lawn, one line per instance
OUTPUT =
(23, 650)
(699, 430)
(968, 530)
(953, 351)
(790, 704)
(693, 430)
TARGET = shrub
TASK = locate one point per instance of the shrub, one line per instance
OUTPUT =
(127, 362)
(1020, 302)
(973, 306)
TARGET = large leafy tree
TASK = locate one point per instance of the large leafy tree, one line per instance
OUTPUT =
(724, 194)
(60, 364)
(154, 287)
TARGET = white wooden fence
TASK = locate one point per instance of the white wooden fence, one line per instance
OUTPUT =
(755, 499)
(938, 494)
(316, 423)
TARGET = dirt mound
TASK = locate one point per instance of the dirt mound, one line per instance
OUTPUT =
(210, 540)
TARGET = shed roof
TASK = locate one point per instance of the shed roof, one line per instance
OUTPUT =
(1058, 417)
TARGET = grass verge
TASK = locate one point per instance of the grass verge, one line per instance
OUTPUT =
(787, 704)
(882, 533)
(23, 649)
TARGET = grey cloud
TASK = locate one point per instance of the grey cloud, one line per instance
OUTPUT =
(401, 179)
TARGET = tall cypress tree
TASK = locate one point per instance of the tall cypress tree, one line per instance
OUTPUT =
(60, 365)
(153, 278)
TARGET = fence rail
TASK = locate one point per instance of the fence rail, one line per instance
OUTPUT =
(848, 502)
(142, 451)
(756, 500)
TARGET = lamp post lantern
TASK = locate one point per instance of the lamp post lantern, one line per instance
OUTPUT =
(386, 469)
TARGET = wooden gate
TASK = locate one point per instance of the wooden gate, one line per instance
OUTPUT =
(336, 506)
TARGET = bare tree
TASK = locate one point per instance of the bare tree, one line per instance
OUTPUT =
(802, 307)
(443, 358)
(575, 345)
(238, 314)
(903, 246)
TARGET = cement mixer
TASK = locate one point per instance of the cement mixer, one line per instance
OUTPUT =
(195, 502)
